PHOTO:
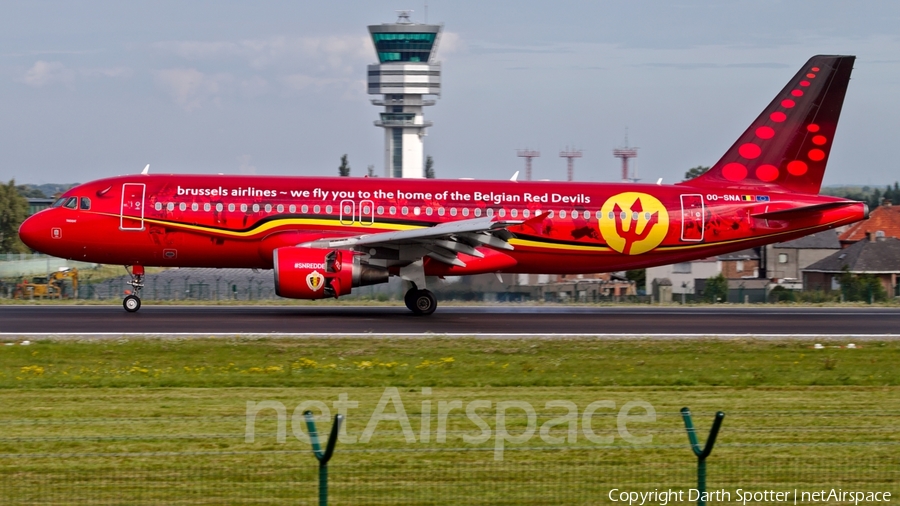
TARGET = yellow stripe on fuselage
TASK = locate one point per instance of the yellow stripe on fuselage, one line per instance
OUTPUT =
(554, 246)
(381, 226)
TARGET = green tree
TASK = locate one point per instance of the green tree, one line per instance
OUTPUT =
(30, 192)
(782, 294)
(429, 167)
(875, 201)
(13, 211)
(695, 172)
(862, 288)
(639, 276)
(344, 169)
(716, 289)
(873, 197)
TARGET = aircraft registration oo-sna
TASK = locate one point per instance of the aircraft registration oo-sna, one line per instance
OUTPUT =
(325, 236)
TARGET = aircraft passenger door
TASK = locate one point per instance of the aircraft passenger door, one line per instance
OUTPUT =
(348, 212)
(692, 218)
(366, 212)
(131, 215)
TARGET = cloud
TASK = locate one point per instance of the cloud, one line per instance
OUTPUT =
(762, 65)
(450, 42)
(254, 86)
(198, 50)
(43, 73)
(191, 88)
(696, 66)
(111, 72)
(349, 88)
(303, 82)
(333, 52)
(311, 64)
(494, 49)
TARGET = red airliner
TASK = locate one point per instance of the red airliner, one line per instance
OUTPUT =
(325, 236)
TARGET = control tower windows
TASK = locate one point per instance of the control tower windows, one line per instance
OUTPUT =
(397, 47)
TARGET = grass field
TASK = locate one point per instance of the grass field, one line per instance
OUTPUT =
(149, 421)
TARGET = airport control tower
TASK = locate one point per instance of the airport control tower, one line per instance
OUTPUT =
(405, 73)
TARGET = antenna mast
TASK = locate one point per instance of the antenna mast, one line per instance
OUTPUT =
(570, 155)
(528, 154)
(625, 153)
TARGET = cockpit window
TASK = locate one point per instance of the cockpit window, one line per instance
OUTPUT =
(85, 203)
(59, 202)
(72, 203)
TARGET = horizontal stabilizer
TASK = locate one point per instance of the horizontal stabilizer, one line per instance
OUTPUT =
(801, 212)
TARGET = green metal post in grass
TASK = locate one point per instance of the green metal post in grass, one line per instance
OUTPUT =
(701, 454)
(323, 457)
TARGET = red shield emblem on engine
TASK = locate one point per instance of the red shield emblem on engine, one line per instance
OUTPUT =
(314, 280)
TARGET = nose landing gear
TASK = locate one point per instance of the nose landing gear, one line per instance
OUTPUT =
(132, 302)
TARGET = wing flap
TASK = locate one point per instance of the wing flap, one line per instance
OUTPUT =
(443, 242)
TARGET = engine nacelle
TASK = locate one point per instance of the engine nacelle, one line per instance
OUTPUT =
(313, 273)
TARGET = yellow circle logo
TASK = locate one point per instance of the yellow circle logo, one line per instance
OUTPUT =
(633, 223)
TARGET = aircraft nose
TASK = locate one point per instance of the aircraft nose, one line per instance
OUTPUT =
(30, 231)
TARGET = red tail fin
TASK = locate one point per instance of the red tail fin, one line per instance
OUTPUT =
(787, 147)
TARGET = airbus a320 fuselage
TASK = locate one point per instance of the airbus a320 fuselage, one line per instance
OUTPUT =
(325, 236)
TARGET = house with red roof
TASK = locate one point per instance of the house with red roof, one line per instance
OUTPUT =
(884, 221)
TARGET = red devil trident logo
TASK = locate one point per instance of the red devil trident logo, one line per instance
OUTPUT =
(631, 235)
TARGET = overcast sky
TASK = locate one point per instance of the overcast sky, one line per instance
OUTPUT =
(99, 88)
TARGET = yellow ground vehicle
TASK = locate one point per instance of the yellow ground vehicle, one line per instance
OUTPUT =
(59, 285)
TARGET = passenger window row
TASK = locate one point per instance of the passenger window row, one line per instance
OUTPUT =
(383, 211)
(84, 203)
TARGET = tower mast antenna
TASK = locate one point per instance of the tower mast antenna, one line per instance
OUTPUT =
(570, 155)
(625, 153)
(528, 154)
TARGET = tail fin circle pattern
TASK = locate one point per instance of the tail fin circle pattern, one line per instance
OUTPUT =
(786, 148)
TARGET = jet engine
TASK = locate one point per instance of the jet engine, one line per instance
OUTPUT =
(314, 273)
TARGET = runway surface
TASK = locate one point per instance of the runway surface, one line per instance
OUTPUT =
(486, 320)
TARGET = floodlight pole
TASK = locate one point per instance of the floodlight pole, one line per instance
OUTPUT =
(701, 454)
(323, 457)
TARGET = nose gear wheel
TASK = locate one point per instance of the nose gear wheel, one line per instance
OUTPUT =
(132, 302)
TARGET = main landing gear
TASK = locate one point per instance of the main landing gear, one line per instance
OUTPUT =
(420, 302)
(132, 301)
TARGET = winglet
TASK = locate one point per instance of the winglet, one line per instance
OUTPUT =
(515, 177)
(146, 170)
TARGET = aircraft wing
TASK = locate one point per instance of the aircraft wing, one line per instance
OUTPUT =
(441, 242)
